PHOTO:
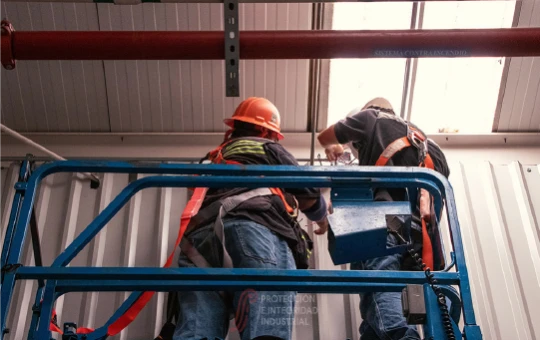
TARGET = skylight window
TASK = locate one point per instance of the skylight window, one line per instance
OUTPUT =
(459, 94)
(355, 81)
(446, 94)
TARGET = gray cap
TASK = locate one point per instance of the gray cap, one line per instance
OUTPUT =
(380, 102)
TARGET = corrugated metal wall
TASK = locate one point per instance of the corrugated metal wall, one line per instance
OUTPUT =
(499, 207)
(141, 234)
(162, 96)
(499, 210)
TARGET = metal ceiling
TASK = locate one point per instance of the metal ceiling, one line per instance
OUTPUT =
(148, 96)
(188, 96)
(54, 96)
(520, 101)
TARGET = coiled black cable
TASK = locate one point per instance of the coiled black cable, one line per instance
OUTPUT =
(441, 299)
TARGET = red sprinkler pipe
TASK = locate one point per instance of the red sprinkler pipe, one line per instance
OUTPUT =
(102, 45)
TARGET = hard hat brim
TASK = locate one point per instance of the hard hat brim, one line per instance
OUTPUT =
(230, 122)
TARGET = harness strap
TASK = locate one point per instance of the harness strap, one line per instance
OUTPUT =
(216, 156)
(193, 254)
(428, 162)
(54, 325)
(191, 209)
(226, 205)
(392, 149)
(427, 247)
(279, 193)
(123, 321)
(416, 139)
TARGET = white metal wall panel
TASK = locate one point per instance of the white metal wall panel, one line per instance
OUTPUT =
(54, 96)
(520, 108)
(189, 96)
(501, 233)
(139, 235)
(499, 212)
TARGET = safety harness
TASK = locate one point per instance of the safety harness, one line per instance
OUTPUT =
(222, 207)
(245, 145)
(123, 321)
(219, 209)
(415, 138)
(418, 140)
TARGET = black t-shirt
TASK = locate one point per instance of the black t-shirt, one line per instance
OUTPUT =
(268, 210)
(371, 131)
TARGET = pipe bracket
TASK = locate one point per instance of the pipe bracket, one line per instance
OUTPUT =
(232, 48)
(8, 60)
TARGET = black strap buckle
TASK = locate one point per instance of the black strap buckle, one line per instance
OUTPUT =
(10, 267)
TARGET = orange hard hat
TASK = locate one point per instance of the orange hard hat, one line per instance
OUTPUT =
(257, 111)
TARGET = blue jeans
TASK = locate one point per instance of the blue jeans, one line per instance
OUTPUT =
(382, 317)
(206, 315)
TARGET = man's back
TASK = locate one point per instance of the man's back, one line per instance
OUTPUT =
(266, 210)
(382, 138)
(371, 131)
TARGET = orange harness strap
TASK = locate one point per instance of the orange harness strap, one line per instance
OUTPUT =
(278, 192)
(191, 209)
(388, 153)
(428, 163)
(392, 149)
(427, 247)
(215, 156)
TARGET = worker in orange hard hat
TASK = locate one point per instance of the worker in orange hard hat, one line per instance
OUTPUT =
(260, 113)
(248, 228)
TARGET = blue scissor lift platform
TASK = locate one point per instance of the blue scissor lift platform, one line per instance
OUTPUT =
(358, 231)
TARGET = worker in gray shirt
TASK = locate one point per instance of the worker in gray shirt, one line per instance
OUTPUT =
(378, 137)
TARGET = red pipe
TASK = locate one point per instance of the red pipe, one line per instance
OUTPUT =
(101, 45)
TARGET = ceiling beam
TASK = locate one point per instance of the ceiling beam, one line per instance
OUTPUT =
(196, 145)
